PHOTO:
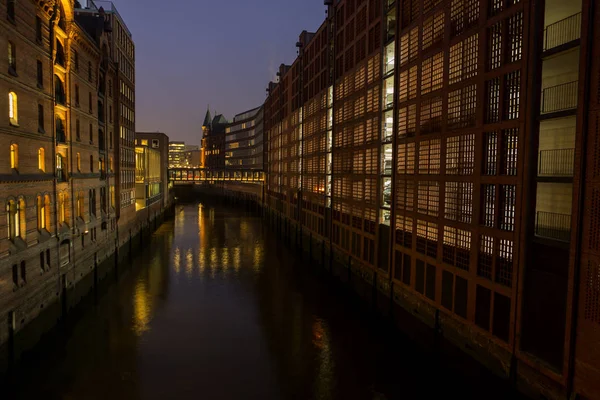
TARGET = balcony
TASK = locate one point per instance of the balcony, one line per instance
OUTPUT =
(553, 226)
(556, 163)
(559, 98)
(562, 32)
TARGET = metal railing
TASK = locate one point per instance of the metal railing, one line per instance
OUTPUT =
(553, 226)
(561, 32)
(558, 162)
(560, 97)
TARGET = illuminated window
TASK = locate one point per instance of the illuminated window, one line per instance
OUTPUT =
(14, 156)
(14, 222)
(80, 204)
(62, 217)
(41, 213)
(13, 109)
(78, 162)
(42, 159)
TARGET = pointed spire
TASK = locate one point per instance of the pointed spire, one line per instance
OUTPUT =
(207, 118)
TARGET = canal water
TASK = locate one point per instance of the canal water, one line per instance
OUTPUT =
(216, 307)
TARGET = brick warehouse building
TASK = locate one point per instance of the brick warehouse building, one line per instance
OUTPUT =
(60, 113)
(449, 150)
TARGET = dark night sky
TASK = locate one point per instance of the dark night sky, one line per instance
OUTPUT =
(221, 52)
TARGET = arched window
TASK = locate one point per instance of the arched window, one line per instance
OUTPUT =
(14, 222)
(59, 91)
(13, 109)
(14, 156)
(60, 53)
(78, 162)
(61, 136)
(60, 174)
(80, 204)
(41, 213)
(62, 217)
(42, 159)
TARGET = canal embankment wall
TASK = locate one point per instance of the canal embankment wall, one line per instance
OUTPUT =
(45, 303)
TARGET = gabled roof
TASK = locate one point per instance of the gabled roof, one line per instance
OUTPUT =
(207, 119)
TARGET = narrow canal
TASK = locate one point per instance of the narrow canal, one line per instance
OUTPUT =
(216, 307)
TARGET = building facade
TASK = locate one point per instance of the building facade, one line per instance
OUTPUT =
(213, 142)
(448, 148)
(176, 154)
(59, 175)
(122, 52)
(244, 141)
(158, 142)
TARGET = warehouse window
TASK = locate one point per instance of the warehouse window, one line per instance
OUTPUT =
(489, 205)
(13, 109)
(14, 156)
(459, 201)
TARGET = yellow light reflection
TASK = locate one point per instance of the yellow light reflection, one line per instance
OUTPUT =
(189, 265)
(177, 260)
(237, 258)
(142, 308)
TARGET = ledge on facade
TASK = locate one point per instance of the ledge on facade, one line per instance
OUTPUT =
(17, 245)
(44, 236)
(17, 177)
(64, 229)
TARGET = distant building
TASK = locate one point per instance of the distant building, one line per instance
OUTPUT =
(176, 154)
(244, 141)
(213, 142)
(158, 142)
(192, 158)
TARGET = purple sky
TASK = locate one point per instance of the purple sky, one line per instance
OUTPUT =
(191, 53)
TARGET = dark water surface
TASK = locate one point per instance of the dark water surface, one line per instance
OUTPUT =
(217, 308)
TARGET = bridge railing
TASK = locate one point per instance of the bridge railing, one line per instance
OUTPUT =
(202, 175)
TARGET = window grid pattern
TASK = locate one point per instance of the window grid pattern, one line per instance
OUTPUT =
(512, 95)
(488, 194)
(457, 247)
(507, 206)
(459, 201)
(429, 157)
(404, 231)
(490, 153)
(504, 263)
(492, 104)
(427, 238)
(428, 198)
(460, 155)
(485, 259)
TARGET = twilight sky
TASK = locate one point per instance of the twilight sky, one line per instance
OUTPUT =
(191, 53)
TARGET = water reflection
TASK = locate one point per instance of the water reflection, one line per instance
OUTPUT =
(217, 308)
